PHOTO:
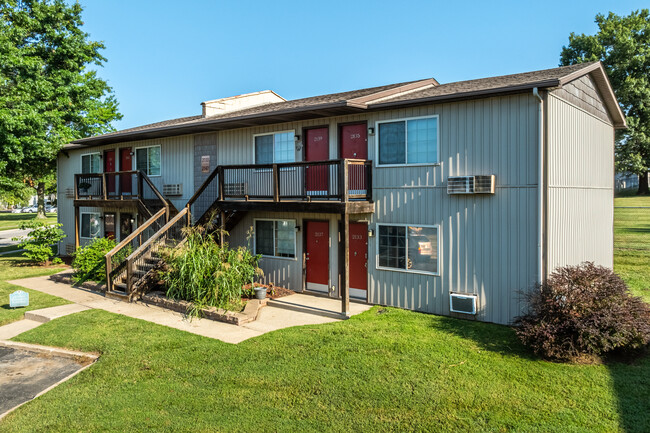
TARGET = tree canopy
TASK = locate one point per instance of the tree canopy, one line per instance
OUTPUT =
(622, 44)
(49, 95)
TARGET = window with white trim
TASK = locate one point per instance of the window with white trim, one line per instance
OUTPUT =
(90, 225)
(147, 160)
(408, 248)
(275, 148)
(275, 238)
(91, 163)
(408, 141)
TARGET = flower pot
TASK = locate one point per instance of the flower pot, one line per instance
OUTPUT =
(260, 292)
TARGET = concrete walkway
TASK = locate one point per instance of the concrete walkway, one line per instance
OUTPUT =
(294, 310)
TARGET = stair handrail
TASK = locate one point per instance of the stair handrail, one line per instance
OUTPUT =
(137, 232)
(131, 258)
(155, 190)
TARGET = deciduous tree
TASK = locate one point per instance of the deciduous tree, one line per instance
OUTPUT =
(622, 43)
(49, 93)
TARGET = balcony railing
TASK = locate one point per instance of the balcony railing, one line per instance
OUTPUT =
(120, 185)
(339, 180)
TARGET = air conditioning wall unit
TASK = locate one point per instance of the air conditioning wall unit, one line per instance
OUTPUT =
(173, 189)
(462, 303)
(477, 184)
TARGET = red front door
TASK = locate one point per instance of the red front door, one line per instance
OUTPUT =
(359, 260)
(125, 165)
(317, 149)
(109, 167)
(354, 145)
(317, 255)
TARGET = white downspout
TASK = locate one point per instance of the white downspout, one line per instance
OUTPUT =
(540, 185)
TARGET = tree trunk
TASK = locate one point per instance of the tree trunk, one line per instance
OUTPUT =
(40, 193)
(643, 184)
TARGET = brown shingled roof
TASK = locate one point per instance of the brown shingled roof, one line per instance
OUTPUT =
(382, 97)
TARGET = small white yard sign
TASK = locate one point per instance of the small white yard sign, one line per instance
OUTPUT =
(18, 299)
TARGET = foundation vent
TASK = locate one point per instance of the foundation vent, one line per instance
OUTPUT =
(462, 303)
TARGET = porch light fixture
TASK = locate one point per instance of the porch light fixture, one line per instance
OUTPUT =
(297, 228)
(371, 131)
(297, 137)
(371, 233)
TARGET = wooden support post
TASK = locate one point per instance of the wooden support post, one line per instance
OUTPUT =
(109, 269)
(104, 188)
(129, 276)
(220, 182)
(222, 226)
(344, 263)
(276, 183)
(76, 228)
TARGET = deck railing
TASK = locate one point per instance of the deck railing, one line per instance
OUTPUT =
(119, 185)
(335, 180)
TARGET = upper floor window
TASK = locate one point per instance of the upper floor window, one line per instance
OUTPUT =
(147, 160)
(408, 141)
(275, 148)
(91, 163)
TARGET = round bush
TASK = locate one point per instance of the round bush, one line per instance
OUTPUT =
(583, 310)
(89, 262)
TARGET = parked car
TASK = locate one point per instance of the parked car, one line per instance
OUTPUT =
(30, 209)
(17, 210)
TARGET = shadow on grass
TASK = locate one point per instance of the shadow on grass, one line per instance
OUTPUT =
(500, 339)
(631, 383)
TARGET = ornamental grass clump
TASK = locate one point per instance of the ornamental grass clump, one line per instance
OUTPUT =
(207, 274)
(583, 310)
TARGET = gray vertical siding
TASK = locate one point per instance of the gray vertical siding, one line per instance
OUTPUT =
(580, 186)
(487, 243)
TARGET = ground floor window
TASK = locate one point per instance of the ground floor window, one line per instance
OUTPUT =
(90, 225)
(275, 238)
(408, 248)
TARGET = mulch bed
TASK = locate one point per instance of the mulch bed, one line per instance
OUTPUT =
(272, 292)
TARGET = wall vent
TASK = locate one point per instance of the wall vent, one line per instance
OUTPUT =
(173, 189)
(483, 184)
(69, 249)
(69, 193)
(235, 188)
(462, 303)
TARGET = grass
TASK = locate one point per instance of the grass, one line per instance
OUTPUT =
(632, 243)
(384, 370)
(9, 221)
(13, 267)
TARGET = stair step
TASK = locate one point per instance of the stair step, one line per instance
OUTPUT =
(120, 286)
(117, 295)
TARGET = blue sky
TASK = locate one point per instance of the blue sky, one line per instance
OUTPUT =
(165, 57)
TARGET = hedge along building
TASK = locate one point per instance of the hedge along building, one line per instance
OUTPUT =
(442, 198)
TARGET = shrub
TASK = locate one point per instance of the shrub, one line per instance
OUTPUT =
(207, 274)
(583, 310)
(89, 262)
(39, 241)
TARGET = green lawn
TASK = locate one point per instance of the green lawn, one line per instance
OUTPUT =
(10, 221)
(632, 244)
(384, 370)
(13, 267)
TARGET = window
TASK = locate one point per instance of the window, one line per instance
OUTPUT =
(408, 141)
(275, 148)
(91, 163)
(147, 160)
(275, 238)
(90, 225)
(408, 248)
